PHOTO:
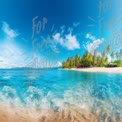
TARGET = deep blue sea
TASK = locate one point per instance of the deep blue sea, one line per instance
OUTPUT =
(57, 88)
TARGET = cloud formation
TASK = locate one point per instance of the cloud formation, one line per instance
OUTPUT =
(10, 56)
(75, 24)
(69, 41)
(8, 31)
(13, 56)
(58, 64)
(92, 46)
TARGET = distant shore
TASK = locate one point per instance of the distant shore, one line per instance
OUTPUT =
(98, 69)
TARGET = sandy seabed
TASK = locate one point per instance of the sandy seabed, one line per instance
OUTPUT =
(8, 114)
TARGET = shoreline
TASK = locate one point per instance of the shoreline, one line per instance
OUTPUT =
(9, 114)
(70, 114)
(98, 69)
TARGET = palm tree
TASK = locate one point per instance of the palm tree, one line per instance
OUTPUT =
(108, 49)
(104, 55)
(98, 60)
(77, 59)
(69, 62)
(94, 58)
(64, 65)
(112, 55)
(87, 59)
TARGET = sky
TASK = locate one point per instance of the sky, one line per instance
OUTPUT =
(43, 33)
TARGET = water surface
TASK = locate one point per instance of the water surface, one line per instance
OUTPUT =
(56, 89)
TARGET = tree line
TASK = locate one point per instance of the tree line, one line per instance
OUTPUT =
(94, 60)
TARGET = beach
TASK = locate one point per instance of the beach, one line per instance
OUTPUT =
(72, 114)
(8, 114)
(98, 69)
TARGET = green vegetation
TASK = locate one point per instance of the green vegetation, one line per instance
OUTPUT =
(118, 56)
(94, 60)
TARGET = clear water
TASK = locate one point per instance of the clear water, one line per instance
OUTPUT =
(56, 89)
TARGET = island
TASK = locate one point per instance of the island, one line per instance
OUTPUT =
(96, 62)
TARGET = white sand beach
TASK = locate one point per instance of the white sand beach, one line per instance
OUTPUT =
(98, 69)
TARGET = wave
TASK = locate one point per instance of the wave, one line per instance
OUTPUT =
(8, 96)
(82, 97)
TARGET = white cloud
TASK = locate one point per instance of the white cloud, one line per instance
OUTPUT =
(87, 35)
(58, 64)
(92, 46)
(69, 41)
(70, 29)
(75, 24)
(10, 55)
(8, 31)
(58, 38)
(62, 29)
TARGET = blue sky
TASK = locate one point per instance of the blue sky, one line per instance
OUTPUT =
(40, 33)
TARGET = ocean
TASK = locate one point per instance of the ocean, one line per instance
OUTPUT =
(56, 89)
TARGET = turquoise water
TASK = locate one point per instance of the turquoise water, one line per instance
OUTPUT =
(56, 89)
